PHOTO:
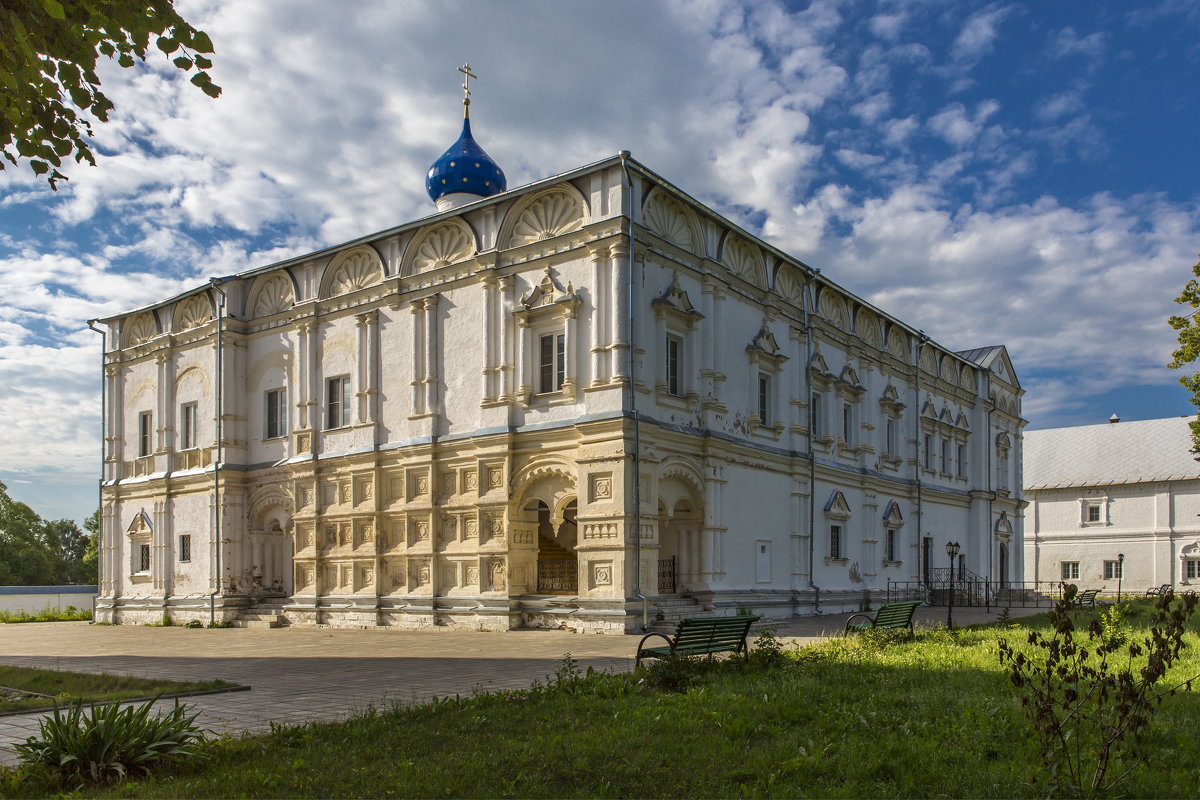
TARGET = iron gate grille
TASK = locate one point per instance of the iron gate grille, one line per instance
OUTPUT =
(666, 575)
(558, 576)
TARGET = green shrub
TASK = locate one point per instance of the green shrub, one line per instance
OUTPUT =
(110, 742)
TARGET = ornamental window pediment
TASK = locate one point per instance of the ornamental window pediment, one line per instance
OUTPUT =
(837, 508)
(765, 350)
(848, 383)
(674, 304)
(889, 401)
(892, 518)
(822, 378)
(549, 296)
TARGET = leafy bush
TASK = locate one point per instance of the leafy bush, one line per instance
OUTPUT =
(110, 742)
(768, 650)
(1091, 700)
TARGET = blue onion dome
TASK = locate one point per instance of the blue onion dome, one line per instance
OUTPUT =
(464, 169)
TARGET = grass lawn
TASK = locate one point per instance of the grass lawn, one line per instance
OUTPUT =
(873, 716)
(69, 614)
(66, 687)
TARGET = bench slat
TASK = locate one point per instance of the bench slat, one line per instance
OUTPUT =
(697, 635)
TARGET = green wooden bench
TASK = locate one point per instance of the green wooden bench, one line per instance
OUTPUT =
(1156, 591)
(889, 615)
(1087, 597)
(700, 636)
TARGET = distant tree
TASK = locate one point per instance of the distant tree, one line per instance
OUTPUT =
(1189, 348)
(25, 558)
(89, 567)
(48, 80)
(68, 542)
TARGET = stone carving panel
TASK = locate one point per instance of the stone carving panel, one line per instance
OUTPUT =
(193, 312)
(744, 260)
(668, 218)
(353, 269)
(138, 330)
(446, 243)
(600, 487)
(272, 294)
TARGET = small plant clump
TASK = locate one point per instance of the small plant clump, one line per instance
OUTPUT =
(1091, 700)
(48, 614)
(111, 741)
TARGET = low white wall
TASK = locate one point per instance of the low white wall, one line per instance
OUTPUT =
(32, 599)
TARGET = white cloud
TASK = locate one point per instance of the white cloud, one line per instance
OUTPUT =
(978, 36)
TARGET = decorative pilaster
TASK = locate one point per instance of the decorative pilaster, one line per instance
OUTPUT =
(598, 257)
(618, 313)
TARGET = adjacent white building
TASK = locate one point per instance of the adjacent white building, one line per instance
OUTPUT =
(1098, 493)
(564, 405)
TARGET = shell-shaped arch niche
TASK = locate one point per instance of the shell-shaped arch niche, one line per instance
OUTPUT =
(271, 294)
(744, 260)
(673, 221)
(439, 245)
(833, 310)
(897, 343)
(866, 325)
(192, 312)
(558, 210)
(967, 379)
(929, 360)
(949, 371)
(351, 270)
(139, 329)
(789, 285)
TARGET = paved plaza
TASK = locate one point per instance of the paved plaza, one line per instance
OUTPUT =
(301, 674)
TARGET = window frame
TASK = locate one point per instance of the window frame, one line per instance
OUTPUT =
(1068, 570)
(889, 544)
(1191, 568)
(341, 404)
(145, 434)
(764, 399)
(280, 410)
(835, 542)
(188, 426)
(1114, 570)
(185, 548)
(143, 558)
(673, 347)
(557, 363)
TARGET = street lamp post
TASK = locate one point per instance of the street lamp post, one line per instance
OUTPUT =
(952, 551)
(1120, 573)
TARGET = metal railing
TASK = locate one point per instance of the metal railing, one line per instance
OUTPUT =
(557, 576)
(666, 575)
(975, 591)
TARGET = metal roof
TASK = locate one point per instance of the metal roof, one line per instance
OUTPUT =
(1112, 453)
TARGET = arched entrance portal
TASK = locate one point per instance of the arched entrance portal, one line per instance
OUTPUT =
(685, 557)
(557, 565)
(270, 553)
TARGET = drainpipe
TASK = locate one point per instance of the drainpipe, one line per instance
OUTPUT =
(637, 424)
(987, 446)
(103, 432)
(921, 340)
(812, 456)
(218, 402)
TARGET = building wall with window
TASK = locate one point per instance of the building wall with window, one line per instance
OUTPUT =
(536, 409)
(1098, 492)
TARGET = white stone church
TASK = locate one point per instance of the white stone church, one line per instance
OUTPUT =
(582, 403)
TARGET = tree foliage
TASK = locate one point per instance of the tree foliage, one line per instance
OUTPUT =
(1189, 347)
(49, 89)
(34, 552)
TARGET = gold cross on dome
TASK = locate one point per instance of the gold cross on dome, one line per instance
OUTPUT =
(465, 69)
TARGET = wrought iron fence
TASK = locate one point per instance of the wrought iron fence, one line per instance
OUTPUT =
(666, 575)
(975, 591)
(557, 576)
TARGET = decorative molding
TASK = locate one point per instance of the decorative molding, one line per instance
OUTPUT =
(440, 245)
(192, 312)
(271, 294)
(351, 270)
(552, 213)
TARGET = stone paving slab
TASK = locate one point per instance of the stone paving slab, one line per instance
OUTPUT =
(302, 674)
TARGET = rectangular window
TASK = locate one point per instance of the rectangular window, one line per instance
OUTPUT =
(847, 421)
(673, 365)
(337, 403)
(276, 414)
(928, 452)
(187, 426)
(185, 547)
(892, 446)
(143, 558)
(145, 432)
(1193, 568)
(764, 398)
(962, 461)
(1114, 570)
(835, 541)
(815, 415)
(552, 366)
(1070, 570)
(1093, 513)
(889, 545)
(945, 456)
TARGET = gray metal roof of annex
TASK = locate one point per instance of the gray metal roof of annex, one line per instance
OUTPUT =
(1112, 453)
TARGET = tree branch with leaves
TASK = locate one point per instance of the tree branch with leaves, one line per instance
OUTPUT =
(1189, 347)
(49, 88)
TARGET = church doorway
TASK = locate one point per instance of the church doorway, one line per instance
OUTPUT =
(270, 554)
(683, 564)
(557, 565)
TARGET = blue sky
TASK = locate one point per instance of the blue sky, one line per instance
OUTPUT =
(1019, 173)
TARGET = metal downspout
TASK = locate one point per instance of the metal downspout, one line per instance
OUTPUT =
(637, 423)
(103, 433)
(987, 446)
(812, 456)
(218, 401)
(921, 561)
